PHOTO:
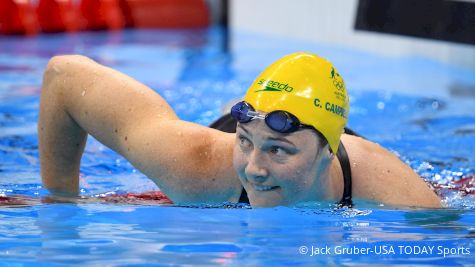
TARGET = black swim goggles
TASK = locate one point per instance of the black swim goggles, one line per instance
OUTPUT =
(279, 120)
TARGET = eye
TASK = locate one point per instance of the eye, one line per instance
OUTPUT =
(244, 143)
(278, 151)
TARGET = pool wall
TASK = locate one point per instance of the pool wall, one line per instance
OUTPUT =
(334, 23)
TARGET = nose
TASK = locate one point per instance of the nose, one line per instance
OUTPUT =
(256, 170)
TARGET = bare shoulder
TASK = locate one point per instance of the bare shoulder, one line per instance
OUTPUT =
(80, 68)
(381, 176)
(61, 62)
(59, 59)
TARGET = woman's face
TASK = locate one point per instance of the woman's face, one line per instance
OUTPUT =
(278, 169)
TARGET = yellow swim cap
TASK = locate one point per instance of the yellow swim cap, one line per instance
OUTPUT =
(307, 86)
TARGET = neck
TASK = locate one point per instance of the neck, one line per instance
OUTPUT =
(336, 183)
(331, 182)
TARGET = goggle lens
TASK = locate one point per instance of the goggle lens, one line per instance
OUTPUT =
(240, 112)
(280, 121)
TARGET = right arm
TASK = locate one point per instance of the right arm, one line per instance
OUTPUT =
(189, 162)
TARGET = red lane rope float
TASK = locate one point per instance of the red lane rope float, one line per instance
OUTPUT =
(166, 13)
(58, 16)
(102, 14)
(465, 185)
(156, 197)
(17, 201)
(146, 198)
(18, 17)
(28, 16)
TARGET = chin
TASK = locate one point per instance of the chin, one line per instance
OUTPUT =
(265, 199)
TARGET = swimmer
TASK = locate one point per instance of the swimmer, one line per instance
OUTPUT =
(289, 146)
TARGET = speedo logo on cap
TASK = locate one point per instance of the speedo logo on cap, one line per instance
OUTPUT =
(274, 86)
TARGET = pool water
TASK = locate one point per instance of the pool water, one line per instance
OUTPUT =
(420, 109)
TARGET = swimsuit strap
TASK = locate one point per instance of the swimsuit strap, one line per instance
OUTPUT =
(342, 156)
(243, 198)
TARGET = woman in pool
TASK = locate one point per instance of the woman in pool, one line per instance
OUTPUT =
(289, 130)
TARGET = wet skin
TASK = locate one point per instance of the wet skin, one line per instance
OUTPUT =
(191, 163)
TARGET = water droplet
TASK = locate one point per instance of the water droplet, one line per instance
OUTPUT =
(83, 93)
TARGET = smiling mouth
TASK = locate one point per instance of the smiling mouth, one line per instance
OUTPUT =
(265, 187)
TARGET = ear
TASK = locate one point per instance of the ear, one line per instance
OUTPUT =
(325, 154)
(325, 149)
(331, 155)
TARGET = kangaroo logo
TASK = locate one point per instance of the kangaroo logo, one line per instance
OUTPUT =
(337, 80)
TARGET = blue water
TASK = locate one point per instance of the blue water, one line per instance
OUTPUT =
(405, 104)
